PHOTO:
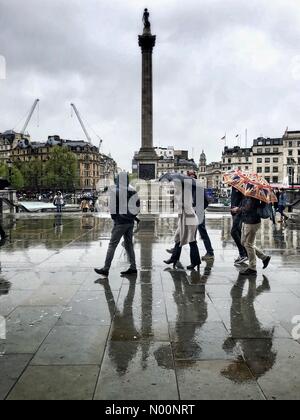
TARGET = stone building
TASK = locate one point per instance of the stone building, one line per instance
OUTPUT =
(166, 162)
(236, 158)
(268, 159)
(93, 167)
(8, 141)
(210, 175)
(169, 161)
(291, 157)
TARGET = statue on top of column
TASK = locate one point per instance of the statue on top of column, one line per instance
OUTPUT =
(146, 21)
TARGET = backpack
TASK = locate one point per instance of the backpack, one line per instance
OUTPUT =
(265, 211)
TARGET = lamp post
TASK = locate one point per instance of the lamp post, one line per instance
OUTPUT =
(292, 173)
(9, 164)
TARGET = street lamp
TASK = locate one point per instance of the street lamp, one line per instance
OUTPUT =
(9, 164)
(293, 163)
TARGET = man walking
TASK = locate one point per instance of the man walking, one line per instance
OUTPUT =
(125, 206)
(237, 223)
(282, 204)
(251, 219)
(59, 202)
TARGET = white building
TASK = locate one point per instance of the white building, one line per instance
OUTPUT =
(268, 159)
(291, 157)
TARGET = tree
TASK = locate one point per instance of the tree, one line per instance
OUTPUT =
(61, 170)
(33, 172)
(17, 179)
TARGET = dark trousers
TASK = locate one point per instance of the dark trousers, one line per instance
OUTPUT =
(205, 238)
(194, 253)
(2, 233)
(118, 232)
(236, 233)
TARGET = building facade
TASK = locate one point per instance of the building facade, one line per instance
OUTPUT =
(8, 141)
(210, 176)
(275, 159)
(94, 168)
(291, 157)
(169, 161)
(236, 158)
(268, 159)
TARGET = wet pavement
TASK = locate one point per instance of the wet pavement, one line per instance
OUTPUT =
(164, 335)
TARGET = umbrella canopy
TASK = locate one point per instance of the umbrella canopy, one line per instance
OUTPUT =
(175, 177)
(251, 185)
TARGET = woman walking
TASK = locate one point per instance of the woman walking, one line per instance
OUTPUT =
(188, 223)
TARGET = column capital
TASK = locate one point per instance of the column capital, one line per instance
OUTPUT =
(147, 42)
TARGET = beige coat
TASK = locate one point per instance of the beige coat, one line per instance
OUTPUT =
(187, 219)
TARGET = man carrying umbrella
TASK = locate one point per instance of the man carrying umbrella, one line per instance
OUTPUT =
(257, 195)
(251, 225)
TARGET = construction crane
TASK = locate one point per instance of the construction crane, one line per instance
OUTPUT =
(29, 116)
(81, 123)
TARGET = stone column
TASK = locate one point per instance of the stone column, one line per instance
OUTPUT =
(147, 42)
(147, 158)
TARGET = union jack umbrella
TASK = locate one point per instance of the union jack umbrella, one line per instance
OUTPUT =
(251, 185)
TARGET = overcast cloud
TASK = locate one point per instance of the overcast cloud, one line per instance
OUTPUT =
(219, 66)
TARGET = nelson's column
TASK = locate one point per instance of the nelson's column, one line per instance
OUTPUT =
(147, 158)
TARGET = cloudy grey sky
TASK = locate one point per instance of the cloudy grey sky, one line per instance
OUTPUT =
(219, 66)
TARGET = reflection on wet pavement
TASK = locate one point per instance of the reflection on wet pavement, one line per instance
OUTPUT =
(164, 334)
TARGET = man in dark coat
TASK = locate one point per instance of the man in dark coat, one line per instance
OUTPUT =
(237, 224)
(124, 207)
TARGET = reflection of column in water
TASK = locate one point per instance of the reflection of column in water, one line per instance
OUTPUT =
(226, 230)
(146, 296)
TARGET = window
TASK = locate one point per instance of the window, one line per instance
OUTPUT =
(276, 169)
(267, 160)
(290, 144)
(259, 170)
(259, 151)
(268, 179)
(259, 160)
(275, 179)
(268, 150)
(267, 170)
(291, 153)
(275, 150)
(275, 160)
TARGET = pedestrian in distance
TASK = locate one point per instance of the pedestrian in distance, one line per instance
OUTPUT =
(282, 204)
(85, 206)
(59, 202)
